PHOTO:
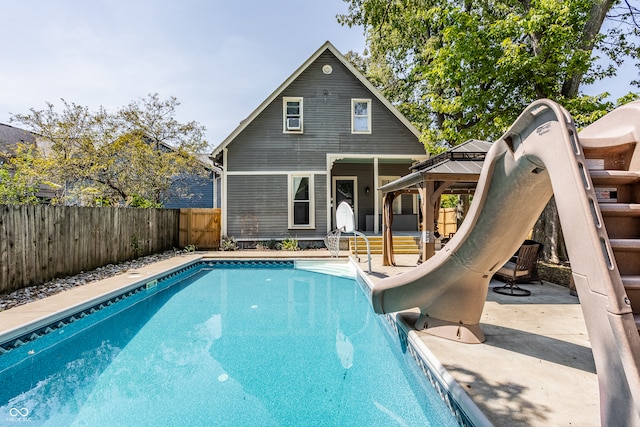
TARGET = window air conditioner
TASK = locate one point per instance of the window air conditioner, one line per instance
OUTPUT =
(293, 123)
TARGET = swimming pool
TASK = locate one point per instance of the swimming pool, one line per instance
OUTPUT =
(220, 344)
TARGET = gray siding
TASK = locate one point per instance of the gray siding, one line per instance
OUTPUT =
(261, 200)
(364, 172)
(263, 146)
(327, 125)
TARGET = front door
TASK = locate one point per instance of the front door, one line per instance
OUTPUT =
(344, 190)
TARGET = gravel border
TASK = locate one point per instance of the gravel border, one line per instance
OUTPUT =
(36, 292)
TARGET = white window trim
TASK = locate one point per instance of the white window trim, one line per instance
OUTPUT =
(312, 204)
(353, 113)
(286, 99)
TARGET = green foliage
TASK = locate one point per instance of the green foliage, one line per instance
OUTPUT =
(137, 201)
(462, 70)
(228, 243)
(14, 190)
(18, 185)
(289, 244)
(136, 156)
(448, 201)
(135, 245)
(587, 110)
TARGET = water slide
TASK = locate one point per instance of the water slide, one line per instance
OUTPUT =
(595, 177)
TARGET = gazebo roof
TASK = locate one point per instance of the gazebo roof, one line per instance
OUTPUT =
(461, 164)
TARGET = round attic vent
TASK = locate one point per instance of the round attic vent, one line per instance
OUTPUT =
(327, 69)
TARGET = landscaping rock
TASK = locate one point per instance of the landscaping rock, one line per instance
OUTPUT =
(559, 274)
(35, 292)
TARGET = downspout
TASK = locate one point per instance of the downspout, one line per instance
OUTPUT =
(218, 171)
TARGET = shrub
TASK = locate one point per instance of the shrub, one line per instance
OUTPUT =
(228, 243)
(290, 244)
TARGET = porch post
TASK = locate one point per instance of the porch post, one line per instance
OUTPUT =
(329, 189)
(376, 198)
(431, 205)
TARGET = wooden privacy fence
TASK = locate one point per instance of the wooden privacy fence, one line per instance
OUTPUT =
(39, 243)
(200, 228)
(447, 222)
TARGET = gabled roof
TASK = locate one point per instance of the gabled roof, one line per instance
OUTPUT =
(10, 136)
(326, 46)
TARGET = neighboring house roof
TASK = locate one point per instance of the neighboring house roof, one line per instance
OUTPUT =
(203, 158)
(295, 75)
(460, 162)
(11, 136)
(206, 160)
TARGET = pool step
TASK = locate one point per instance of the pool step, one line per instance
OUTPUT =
(340, 269)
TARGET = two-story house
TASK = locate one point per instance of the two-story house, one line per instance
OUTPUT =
(324, 136)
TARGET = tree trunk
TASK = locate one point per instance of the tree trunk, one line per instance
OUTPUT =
(548, 232)
(462, 208)
(592, 27)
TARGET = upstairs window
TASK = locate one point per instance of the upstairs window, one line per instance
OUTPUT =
(292, 114)
(360, 116)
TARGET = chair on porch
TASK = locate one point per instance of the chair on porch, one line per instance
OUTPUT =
(522, 267)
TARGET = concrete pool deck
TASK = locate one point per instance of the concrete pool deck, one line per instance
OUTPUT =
(534, 369)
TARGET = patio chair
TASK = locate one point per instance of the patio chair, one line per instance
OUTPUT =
(521, 267)
(534, 272)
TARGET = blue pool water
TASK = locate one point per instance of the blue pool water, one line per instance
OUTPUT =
(260, 346)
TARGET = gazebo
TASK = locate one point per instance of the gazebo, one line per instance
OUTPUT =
(455, 171)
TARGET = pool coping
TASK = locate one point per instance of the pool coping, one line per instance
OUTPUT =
(22, 319)
(63, 307)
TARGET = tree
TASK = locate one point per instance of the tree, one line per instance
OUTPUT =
(470, 67)
(18, 186)
(466, 68)
(136, 156)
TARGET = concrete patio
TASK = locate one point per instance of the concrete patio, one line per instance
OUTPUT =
(535, 368)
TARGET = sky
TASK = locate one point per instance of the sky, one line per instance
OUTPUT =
(220, 59)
